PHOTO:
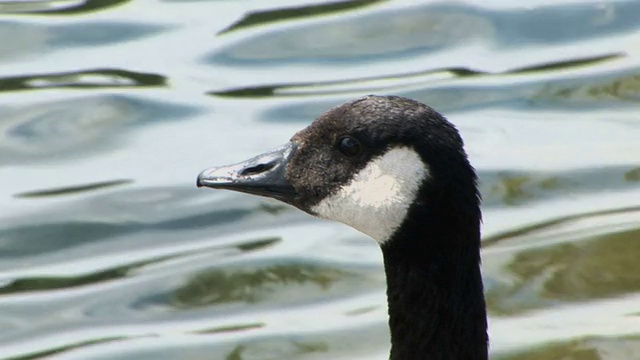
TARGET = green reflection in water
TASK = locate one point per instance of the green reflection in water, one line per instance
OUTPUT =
(598, 267)
(592, 348)
(234, 328)
(330, 344)
(273, 208)
(525, 230)
(54, 7)
(70, 190)
(624, 88)
(605, 266)
(294, 349)
(632, 175)
(97, 78)
(257, 244)
(255, 283)
(515, 189)
(264, 17)
(52, 283)
(61, 349)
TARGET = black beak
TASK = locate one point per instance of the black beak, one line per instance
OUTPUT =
(262, 175)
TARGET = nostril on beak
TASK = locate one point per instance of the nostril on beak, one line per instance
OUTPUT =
(257, 169)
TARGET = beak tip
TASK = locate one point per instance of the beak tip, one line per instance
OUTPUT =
(262, 175)
(199, 181)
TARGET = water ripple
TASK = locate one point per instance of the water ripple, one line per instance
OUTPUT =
(260, 18)
(381, 35)
(98, 78)
(21, 40)
(57, 7)
(45, 131)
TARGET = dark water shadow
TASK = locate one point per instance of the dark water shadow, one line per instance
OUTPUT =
(33, 284)
(44, 283)
(62, 349)
(52, 7)
(270, 16)
(75, 189)
(356, 85)
(90, 79)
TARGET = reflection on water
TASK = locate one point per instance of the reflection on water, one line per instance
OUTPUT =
(35, 39)
(620, 89)
(517, 188)
(110, 109)
(375, 36)
(43, 131)
(261, 18)
(88, 79)
(413, 31)
(65, 7)
(586, 349)
(73, 189)
(273, 283)
(395, 81)
(571, 260)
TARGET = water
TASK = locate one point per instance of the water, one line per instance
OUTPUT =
(109, 109)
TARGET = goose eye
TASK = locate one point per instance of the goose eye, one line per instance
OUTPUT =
(349, 146)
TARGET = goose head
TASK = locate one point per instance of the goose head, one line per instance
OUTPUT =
(396, 170)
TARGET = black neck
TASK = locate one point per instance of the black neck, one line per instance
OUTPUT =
(434, 286)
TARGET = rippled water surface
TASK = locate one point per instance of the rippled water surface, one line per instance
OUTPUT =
(109, 109)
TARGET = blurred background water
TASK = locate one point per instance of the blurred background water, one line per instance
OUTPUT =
(110, 108)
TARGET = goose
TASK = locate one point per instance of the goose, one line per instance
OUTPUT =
(396, 170)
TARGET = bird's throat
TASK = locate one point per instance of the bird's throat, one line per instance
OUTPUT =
(436, 304)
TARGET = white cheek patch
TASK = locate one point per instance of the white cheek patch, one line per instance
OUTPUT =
(377, 199)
